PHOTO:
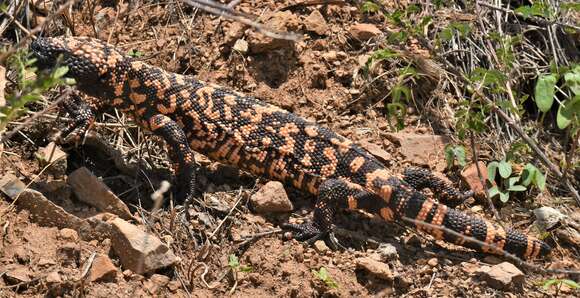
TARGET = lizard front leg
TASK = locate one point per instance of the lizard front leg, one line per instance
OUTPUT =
(181, 156)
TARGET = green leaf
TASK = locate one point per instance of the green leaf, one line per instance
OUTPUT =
(60, 72)
(494, 191)
(540, 180)
(528, 174)
(504, 196)
(517, 188)
(545, 91)
(505, 169)
(233, 261)
(548, 283)
(567, 111)
(513, 180)
(370, 7)
(572, 284)
(245, 268)
(573, 80)
(492, 170)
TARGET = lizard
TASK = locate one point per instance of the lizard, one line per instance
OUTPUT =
(265, 140)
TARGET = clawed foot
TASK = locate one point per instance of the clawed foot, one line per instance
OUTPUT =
(310, 233)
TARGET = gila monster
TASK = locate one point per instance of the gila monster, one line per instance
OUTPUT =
(265, 140)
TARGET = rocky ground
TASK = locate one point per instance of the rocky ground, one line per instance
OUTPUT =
(85, 224)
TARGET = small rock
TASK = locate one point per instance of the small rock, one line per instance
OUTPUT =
(174, 285)
(547, 217)
(156, 282)
(330, 56)
(270, 198)
(21, 255)
(89, 189)
(69, 254)
(413, 240)
(320, 246)
(468, 267)
(316, 23)
(387, 252)
(364, 32)
(502, 276)
(377, 151)
(68, 234)
(377, 268)
(18, 275)
(433, 262)
(422, 149)
(53, 278)
(471, 178)
(52, 154)
(46, 262)
(11, 186)
(102, 269)
(241, 46)
(139, 251)
(283, 21)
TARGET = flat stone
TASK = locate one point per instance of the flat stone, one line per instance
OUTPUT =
(471, 178)
(316, 23)
(502, 276)
(376, 150)
(139, 251)
(364, 32)
(420, 149)
(374, 267)
(271, 198)
(46, 213)
(18, 275)
(11, 186)
(283, 21)
(102, 269)
(89, 189)
(53, 156)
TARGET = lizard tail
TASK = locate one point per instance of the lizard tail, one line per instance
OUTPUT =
(403, 201)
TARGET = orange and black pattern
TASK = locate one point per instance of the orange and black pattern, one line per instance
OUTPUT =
(263, 139)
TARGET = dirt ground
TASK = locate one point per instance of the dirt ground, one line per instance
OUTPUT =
(318, 77)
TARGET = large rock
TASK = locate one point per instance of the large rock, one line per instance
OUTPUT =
(471, 178)
(46, 213)
(422, 149)
(89, 189)
(18, 275)
(139, 251)
(270, 198)
(364, 32)
(282, 21)
(502, 276)
(316, 23)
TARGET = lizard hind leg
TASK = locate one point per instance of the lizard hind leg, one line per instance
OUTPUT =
(333, 194)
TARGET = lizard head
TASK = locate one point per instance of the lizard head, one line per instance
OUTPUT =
(91, 62)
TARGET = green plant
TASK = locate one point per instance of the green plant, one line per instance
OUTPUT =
(453, 154)
(369, 7)
(568, 114)
(511, 182)
(234, 264)
(135, 53)
(538, 9)
(29, 88)
(558, 282)
(323, 275)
